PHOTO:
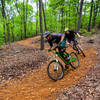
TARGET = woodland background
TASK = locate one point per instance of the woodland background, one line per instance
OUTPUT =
(21, 19)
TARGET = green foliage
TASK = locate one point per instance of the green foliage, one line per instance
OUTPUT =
(59, 14)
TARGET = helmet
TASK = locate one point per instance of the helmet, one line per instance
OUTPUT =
(66, 29)
(46, 34)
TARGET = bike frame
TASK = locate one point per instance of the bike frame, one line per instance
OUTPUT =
(65, 53)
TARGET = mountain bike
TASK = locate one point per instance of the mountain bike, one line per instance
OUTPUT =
(55, 69)
(78, 48)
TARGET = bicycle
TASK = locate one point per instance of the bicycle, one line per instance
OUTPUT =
(78, 48)
(55, 69)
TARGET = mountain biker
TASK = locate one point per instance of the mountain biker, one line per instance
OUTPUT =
(58, 38)
(71, 35)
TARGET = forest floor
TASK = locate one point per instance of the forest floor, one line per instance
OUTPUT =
(23, 73)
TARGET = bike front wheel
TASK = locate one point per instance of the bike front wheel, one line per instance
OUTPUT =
(55, 70)
(74, 61)
(80, 50)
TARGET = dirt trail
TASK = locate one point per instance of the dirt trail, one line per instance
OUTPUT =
(38, 86)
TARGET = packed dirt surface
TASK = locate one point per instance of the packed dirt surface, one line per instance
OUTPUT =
(33, 82)
(88, 88)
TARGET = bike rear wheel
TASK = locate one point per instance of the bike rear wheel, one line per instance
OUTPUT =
(74, 61)
(55, 70)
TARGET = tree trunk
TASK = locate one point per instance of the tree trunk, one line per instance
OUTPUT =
(76, 11)
(66, 19)
(4, 18)
(62, 28)
(26, 15)
(59, 21)
(95, 14)
(8, 32)
(21, 35)
(44, 17)
(13, 30)
(37, 19)
(89, 26)
(80, 13)
(24, 19)
(41, 27)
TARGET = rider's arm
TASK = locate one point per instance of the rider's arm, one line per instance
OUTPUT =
(78, 35)
(62, 38)
(51, 45)
(68, 44)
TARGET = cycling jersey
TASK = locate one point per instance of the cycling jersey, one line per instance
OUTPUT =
(56, 38)
(71, 36)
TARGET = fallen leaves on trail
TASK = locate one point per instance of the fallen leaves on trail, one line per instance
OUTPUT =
(17, 60)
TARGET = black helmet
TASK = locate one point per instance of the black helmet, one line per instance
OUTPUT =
(46, 34)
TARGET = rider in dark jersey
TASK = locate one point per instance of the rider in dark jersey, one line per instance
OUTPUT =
(58, 38)
(70, 35)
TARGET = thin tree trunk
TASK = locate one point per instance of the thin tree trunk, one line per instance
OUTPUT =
(41, 27)
(95, 14)
(8, 32)
(4, 18)
(37, 19)
(59, 21)
(66, 19)
(4, 31)
(21, 35)
(62, 20)
(76, 13)
(89, 26)
(44, 17)
(80, 13)
(26, 15)
(24, 19)
(12, 30)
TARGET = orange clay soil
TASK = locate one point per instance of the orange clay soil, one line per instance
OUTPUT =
(38, 86)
